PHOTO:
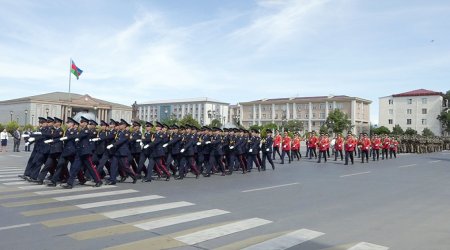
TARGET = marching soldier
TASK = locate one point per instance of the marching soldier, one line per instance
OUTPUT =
(254, 142)
(365, 147)
(286, 144)
(267, 150)
(350, 144)
(338, 147)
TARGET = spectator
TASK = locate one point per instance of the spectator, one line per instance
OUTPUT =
(16, 136)
(4, 140)
(26, 136)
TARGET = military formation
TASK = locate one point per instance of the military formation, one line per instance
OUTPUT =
(108, 153)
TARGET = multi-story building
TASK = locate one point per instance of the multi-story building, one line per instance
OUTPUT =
(312, 111)
(234, 115)
(204, 110)
(417, 109)
(26, 110)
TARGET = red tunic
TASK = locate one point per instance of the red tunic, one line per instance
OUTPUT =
(286, 143)
(350, 144)
(312, 142)
(277, 141)
(386, 143)
(296, 144)
(339, 144)
(376, 143)
(366, 144)
(323, 144)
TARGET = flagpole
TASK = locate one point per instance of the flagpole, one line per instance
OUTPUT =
(70, 79)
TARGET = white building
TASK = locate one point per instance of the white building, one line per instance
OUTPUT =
(203, 109)
(417, 109)
(26, 110)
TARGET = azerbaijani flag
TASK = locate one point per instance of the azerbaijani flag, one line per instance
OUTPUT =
(75, 70)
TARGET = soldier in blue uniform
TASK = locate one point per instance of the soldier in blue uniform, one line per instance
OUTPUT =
(190, 140)
(43, 149)
(56, 148)
(240, 150)
(100, 145)
(35, 151)
(107, 137)
(158, 152)
(253, 150)
(267, 147)
(217, 153)
(135, 145)
(121, 154)
(83, 158)
(174, 147)
(146, 154)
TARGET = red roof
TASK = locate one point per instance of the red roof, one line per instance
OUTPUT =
(418, 92)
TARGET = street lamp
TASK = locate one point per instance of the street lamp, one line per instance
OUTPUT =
(11, 113)
(46, 110)
(17, 118)
(26, 113)
(32, 119)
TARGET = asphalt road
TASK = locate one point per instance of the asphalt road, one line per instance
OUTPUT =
(401, 203)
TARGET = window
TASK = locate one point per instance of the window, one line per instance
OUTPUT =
(322, 106)
(306, 116)
(391, 101)
(424, 111)
(409, 101)
(390, 121)
(424, 121)
(391, 111)
(330, 106)
(264, 116)
(424, 100)
(409, 111)
(314, 115)
(408, 121)
(313, 124)
(314, 106)
(322, 115)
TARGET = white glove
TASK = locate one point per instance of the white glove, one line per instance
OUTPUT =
(182, 150)
(251, 150)
(37, 133)
(138, 140)
(141, 144)
(27, 143)
(48, 141)
(109, 146)
(267, 150)
(165, 145)
(63, 138)
(76, 139)
(350, 145)
(208, 142)
(199, 143)
(95, 139)
(32, 139)
(146, 146)
(231, 147)
(284, 146)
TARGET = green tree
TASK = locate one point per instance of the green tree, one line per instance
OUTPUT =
(11, 126)
(189, 120)
(444, 118)
(338, 121)
(323, 129)
(410, 131)
(397, 130)
(294, 125)
(427, 132)
(381, 130)
(256, 126)
(2, 127)
(171, 121)
(215, 123)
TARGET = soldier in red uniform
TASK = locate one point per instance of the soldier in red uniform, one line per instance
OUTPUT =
(365, 147)
(338, 147)
(323, 144)
(385, 147)
(286, 144)
(296, 147)
(376, 143)
(350, 144)
(276, 144)
(393, 148)
(312, 144)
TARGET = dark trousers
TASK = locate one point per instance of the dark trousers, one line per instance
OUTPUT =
(336, 153)
(392, 152)
(253, 158)
(375, 153)
(83, 162)
(268, 156)
(49, 166)
(283, 153)
(364, 154)
(232, 162)
(296, 153)
(38, 161)
(16, 145)
(27, 171)
(121, 163)
(27, 147)
(184, 163)
(348, 154)
(61, 167)
(242, 162)
(276, 150)
(312, 152)
(384, 152)
(322, 154)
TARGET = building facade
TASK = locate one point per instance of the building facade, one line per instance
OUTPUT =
(417, 109)
(204, 110)
(312, 111)
(26, 110)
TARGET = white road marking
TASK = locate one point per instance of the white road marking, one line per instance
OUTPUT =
(145, 209)
(15, 226)
(119, 201)
(434, 161)
(216, 232)
(33, 187)
(10, 169)
(9, 179)
(286, 241)
(17, 156)
(180, 219)
(9, 175)
(408, 166)
(271, 187)
(12, 172)
(17, 183)
(62, 191)
(93, 195)
(347, 175)
(367, 246)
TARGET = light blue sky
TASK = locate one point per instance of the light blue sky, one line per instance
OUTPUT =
(228, 50)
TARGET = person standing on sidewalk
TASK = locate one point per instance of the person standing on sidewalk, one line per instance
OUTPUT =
(4, 140)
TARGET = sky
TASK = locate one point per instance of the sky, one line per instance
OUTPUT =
(232, 51)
